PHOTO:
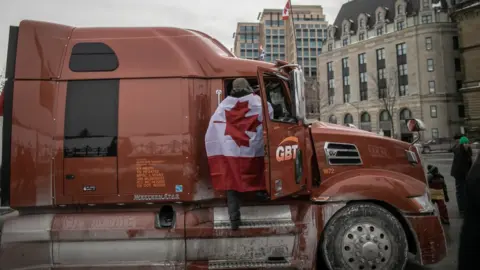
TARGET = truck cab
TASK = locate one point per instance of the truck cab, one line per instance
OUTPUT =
(104, 159)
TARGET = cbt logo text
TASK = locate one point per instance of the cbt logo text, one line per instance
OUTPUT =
(287, 149)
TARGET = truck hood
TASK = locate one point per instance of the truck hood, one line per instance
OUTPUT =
(377, 154)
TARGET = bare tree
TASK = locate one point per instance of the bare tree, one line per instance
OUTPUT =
(318, 93)
(386, 89)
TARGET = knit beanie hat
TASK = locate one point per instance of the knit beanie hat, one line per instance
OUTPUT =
(464, 140)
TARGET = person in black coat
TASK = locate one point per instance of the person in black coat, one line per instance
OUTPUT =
(470, 233)
(462, 161)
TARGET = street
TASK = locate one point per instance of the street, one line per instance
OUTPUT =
(443, 161)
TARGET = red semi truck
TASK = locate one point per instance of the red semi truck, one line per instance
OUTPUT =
(104, 159)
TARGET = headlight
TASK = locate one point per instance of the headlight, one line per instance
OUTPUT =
(424, 203)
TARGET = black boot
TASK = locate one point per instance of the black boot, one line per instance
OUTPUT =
(233, 204)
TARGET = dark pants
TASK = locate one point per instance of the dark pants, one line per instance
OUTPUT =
(461, 193)
(233, 205)
(442, 210)
(468, 251)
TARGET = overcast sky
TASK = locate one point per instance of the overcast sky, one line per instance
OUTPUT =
(215, 17)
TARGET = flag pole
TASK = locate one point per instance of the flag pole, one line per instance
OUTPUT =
(293, 29)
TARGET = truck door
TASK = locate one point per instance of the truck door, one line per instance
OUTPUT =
(90, 139)
(284, 138)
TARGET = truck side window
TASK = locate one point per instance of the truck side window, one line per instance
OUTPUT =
(91, 118)
(276, 94)
(93, 57)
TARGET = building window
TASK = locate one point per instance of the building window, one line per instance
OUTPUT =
(461, 111)
(402, 70)
(433, 111)
(330, 66)
(458, 66)
(331, 84)
(426, 4)
(348, 119)
(363, 94)
(346, 98)
(399, 10)
(428, 43)
(431, 87)
(401, 49)
(427, 19)
(455, 43)
(332, 119)
(400, 25)
(345, 62)
(381, 54)
(346, 80)
(379, 17)
(345, 41)
(362, 23)
(330, 47)
(381, 74)
(384, 116)
(403, 90)
(362, 59)
(361, 36)
(430, 66)
(379, 31)
(382, 93)
(459, 85)
(91, 112)
(435, 133)
(363, 77)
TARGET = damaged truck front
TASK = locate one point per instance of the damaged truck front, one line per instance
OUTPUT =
(104, 159)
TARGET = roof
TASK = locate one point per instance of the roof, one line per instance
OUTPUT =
(45, 49)
(351, 10)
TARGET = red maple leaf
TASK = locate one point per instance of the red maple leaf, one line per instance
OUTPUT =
(237, 123)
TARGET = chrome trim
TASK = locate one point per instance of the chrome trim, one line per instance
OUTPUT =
(247, 264)
(331, 153)
(255, 217)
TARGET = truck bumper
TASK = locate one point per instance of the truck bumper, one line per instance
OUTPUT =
(431, 242)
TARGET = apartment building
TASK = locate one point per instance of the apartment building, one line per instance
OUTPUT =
(301, 46)
(389, 60)
(247, 40)
(467, 15)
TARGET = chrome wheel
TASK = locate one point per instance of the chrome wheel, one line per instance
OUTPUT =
(366, 246)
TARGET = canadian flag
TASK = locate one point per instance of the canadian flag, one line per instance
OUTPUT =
(235, 146)
(286, 10)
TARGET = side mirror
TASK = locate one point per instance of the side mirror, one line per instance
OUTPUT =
(415, 125)
(297, 93)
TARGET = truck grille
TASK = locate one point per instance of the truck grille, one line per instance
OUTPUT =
(342, 154)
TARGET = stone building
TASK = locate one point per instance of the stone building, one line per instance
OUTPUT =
(467, 15)
(392, 59)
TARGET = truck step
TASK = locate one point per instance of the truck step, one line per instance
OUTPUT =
(249, 224)
(248, 264)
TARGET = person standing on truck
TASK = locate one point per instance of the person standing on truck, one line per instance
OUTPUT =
(470, 233)
(462, 161)
(235, 147)
(438, 192)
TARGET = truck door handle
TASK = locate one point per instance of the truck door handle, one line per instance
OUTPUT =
(219, 96)
(70, 177)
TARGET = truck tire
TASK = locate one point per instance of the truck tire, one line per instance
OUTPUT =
(364, 236)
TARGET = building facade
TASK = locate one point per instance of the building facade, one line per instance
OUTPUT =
(467, 15)
(301, 46)
(388, 60)
(247, 40)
